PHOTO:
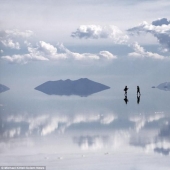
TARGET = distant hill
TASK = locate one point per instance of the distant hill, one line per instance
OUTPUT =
(164, 86)
(3, 88)
(80, 87)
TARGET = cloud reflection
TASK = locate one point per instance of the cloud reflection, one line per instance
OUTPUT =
(91, 142)
(142, 131)
(46, 124)
(12, 132)
(117, 140)
(162, 147)
(141, 120)
(158, 141)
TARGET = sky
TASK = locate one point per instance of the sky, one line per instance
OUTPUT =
(43, 40)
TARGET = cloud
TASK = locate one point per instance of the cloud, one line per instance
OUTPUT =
(10, 38)
(161, 21)
(141, 53)
(18, 33)
(47, 52)
(25, 58)
(9, 43)
(107, 55)
(97, 31)
(43, 51)
(118, 37)
(15, 33)
(159, 28)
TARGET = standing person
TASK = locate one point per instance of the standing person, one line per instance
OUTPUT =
(126, 89)
(138, 90)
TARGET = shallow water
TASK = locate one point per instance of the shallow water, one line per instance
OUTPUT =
(100, 131)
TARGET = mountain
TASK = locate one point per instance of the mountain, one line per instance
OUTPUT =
(164, 86)
(3, 88)
(80, 87)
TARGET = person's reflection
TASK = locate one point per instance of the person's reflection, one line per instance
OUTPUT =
(126, 99)
(138, 99)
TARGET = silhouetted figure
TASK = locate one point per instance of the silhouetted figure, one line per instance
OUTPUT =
(126, 89)
(126, 99)
(138, 90)
(138, 99)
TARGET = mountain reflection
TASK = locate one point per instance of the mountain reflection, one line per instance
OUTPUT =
(3, 88)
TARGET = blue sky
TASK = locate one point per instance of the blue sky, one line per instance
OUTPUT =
(72, 37)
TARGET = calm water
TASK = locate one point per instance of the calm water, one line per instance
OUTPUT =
(96, 132)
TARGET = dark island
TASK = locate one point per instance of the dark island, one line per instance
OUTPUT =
(164, 86)
(81, 87)
(3, 88)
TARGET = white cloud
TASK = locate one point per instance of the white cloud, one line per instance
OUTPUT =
(25, 58)
(47, 48)
(141, 53)
(10, 38)
(17, 33)
(9, 43)
(159, 28)
(97, 31)
(46, 52)
(107, 55)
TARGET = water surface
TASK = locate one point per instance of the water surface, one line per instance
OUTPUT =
(100, 131)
